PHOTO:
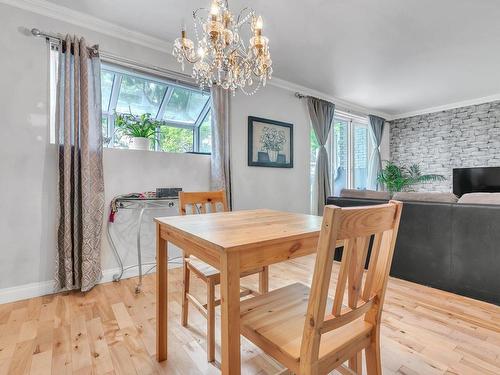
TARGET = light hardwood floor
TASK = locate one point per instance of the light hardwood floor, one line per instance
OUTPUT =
(110, 330)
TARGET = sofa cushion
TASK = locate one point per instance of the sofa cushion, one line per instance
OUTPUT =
(426, 197)
(370, 194)
(480, 198)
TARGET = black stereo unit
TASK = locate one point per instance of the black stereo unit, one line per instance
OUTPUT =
(167, 192)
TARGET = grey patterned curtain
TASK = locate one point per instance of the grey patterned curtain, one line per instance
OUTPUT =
(375, 161)
(220, 167)
(81, 184)
(321, 114)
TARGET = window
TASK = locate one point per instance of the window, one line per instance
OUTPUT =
(361, 154)
(185, 106)
(349, 147)
(54, 67)
(184, 111)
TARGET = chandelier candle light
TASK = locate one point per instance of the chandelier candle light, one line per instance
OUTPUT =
(222, 58)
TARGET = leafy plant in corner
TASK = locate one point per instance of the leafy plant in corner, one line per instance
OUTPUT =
(142, 126)
(397, 178)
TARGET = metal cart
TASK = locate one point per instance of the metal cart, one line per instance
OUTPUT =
(147, 202)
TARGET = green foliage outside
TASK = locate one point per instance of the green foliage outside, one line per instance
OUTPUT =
(314, 143)
(134, 90)
(337, 128)
(397, 178)
(176, 139)
(185, 105)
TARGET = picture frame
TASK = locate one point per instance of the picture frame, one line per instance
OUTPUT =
(270, 143)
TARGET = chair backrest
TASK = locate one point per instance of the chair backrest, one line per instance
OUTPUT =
(355, 226)
(202, 202)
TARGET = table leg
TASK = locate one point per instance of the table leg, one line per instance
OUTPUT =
(161, 296)
(230, 311)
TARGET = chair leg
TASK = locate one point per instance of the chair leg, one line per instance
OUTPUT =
(373, 362)
(264, 280)
(185, 291)
(356, 363)
(210, 321)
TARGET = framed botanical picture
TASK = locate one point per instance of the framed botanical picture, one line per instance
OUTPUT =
(270, 143)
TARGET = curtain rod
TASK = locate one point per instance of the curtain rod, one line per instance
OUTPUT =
(112, 58)
(343, 111)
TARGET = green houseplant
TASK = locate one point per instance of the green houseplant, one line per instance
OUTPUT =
(397, 178)
(140, 129)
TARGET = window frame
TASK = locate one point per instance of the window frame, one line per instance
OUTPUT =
(110, 111)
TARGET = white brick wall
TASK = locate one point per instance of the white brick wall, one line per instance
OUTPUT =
(441, 141)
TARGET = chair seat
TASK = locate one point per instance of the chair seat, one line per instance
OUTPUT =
(276, 320)
(203, 268)
(206, 271)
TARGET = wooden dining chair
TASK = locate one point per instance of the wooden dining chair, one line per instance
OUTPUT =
(310, 333)
(201, 203)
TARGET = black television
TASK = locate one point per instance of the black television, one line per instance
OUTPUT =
(476, 180)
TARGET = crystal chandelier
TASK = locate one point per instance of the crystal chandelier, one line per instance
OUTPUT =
(222, 57)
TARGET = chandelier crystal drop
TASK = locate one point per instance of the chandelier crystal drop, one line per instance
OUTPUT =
(221, 56)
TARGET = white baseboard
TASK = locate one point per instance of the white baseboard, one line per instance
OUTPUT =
(43, 288)
(20, 292)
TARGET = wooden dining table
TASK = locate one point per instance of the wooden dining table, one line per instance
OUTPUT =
(232, 242)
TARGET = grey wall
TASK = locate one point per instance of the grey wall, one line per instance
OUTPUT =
(441, 141)
(277, 188)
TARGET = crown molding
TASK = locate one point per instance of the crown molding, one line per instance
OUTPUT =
(339, 103)
(81, 19)
(446, 107)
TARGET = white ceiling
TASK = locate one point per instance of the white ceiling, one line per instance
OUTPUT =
(393, 56)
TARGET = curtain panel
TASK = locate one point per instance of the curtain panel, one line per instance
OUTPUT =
(220, 164)
(375, 161)
(81, 183)
(321, 115)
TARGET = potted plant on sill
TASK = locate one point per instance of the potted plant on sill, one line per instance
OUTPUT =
(140, 129)
(398, 179)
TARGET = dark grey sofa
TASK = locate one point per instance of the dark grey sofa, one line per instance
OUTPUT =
(449, 246)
